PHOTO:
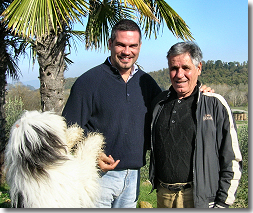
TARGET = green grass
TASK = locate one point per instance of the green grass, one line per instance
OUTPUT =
(145, 195)
(238, 123)
(5, 201)
(245, 108)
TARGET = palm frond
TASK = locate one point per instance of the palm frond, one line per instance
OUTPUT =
(102, 16)
(166, 14)
(11, 50)
(4, 4)
(142, 8)
(28, 18)
(67, 60)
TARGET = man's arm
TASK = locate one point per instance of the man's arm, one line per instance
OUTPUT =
(229, 157)
(78, 108)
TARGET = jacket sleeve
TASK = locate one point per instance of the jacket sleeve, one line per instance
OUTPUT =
(229, 155)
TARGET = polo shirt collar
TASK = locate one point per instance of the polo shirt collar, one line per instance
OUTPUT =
(133, 70)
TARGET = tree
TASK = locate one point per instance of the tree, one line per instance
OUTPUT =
(50, 26)
(218, 64)
(10, 48)
(30, 98)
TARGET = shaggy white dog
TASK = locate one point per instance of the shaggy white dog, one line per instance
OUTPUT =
(51, 166)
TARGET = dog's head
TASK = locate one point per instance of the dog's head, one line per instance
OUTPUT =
(37, 140)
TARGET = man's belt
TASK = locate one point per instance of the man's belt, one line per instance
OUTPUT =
(176, 187)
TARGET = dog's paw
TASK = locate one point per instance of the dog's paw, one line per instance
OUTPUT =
(92, 145)
(74, 135)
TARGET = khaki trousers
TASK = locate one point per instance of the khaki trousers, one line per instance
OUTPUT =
(172, 199)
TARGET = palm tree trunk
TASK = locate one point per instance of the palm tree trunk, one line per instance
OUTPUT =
(50, 51)
(3, 71)
(2, 114)
(3, 139)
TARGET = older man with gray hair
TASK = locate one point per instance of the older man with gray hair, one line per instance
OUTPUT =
(195, 155)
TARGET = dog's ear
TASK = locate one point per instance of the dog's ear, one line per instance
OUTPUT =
(37, 140)
(74, 135)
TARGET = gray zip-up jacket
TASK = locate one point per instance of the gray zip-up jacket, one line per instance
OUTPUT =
(217, 160)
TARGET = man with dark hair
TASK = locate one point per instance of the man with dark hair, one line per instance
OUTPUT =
(125, 25)
(195, 155)
(114, 98)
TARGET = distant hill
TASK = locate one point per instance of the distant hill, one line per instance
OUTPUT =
(213, 72)
(69, 82)
(32, 85)
(162, 77)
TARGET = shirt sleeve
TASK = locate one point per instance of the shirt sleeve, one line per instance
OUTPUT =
(78, 108)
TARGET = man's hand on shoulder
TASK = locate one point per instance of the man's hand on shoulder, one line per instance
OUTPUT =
(205, 88)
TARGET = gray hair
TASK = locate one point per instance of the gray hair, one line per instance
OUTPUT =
(187, 47)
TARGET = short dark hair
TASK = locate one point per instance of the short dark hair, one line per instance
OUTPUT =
(187, 47)
(124, 25)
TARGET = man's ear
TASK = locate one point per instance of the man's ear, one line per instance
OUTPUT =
(109, 44)
(199, 68)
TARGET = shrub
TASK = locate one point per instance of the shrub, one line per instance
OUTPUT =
(13, 109)
(242, 191)
(145, 169)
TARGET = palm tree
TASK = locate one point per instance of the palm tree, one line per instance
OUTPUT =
(50, 25)
(10, 49)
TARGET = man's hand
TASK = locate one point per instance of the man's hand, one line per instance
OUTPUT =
(107, 163)
(204, 88)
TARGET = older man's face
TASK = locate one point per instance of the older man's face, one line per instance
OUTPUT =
(183, 74)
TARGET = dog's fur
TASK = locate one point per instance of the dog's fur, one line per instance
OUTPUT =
(51, 166)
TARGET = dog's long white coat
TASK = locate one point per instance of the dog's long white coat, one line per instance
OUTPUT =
(70, 183)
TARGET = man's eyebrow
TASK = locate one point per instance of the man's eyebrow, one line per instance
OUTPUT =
(183, 66)
(120, 43)
(174, 67)
(186, 66)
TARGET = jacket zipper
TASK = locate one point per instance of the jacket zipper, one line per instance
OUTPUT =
(194, 154)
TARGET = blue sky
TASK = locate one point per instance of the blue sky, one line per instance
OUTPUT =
(220, 28)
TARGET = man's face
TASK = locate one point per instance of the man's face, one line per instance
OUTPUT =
(125, 50)
(183, 74)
